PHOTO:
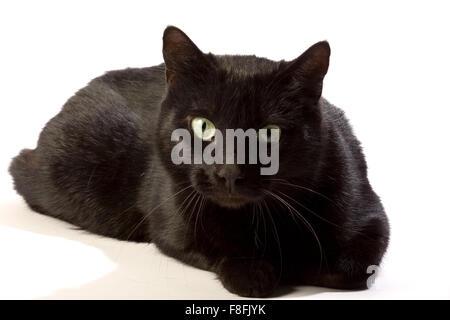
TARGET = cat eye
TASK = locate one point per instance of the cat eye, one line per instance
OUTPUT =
(270, 133)
(203, 128)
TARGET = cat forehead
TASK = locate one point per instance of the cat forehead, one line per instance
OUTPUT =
(246, 66)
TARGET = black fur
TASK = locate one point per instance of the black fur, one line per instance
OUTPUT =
(103, 163)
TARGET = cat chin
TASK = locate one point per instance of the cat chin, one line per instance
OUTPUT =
(230, 205)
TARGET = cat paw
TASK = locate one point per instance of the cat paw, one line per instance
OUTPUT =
(251, 278)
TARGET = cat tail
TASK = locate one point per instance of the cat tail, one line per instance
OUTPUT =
(24, 172)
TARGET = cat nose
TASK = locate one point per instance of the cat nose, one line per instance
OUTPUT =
(230, 175)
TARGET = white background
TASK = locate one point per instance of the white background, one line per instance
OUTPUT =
(389, 71)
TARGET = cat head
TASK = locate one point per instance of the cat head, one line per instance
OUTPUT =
(241, 92)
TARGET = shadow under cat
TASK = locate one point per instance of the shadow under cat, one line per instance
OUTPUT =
(141, 271)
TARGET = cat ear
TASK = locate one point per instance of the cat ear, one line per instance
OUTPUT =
(305, 74)
(181, 55)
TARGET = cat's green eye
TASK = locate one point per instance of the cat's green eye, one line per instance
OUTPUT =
(203, 128)
(270, 133)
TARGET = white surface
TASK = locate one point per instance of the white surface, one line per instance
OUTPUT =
(389, 71)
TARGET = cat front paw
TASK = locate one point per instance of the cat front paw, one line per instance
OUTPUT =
(249, 278)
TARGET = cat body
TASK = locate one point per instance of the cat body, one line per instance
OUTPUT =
(104, 164)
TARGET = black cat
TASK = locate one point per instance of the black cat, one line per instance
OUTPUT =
(104, 164)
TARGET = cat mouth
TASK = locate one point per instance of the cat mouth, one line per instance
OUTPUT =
(231, 200)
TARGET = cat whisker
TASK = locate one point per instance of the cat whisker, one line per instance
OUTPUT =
(255, 217)
(303, 219)
(261, 214)
(156, 207)
(277, 238)
(309, 210)
(323, 219)
(202, 206)
(192, 196)
(288, 183)
(197, 214)
(189, 198)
